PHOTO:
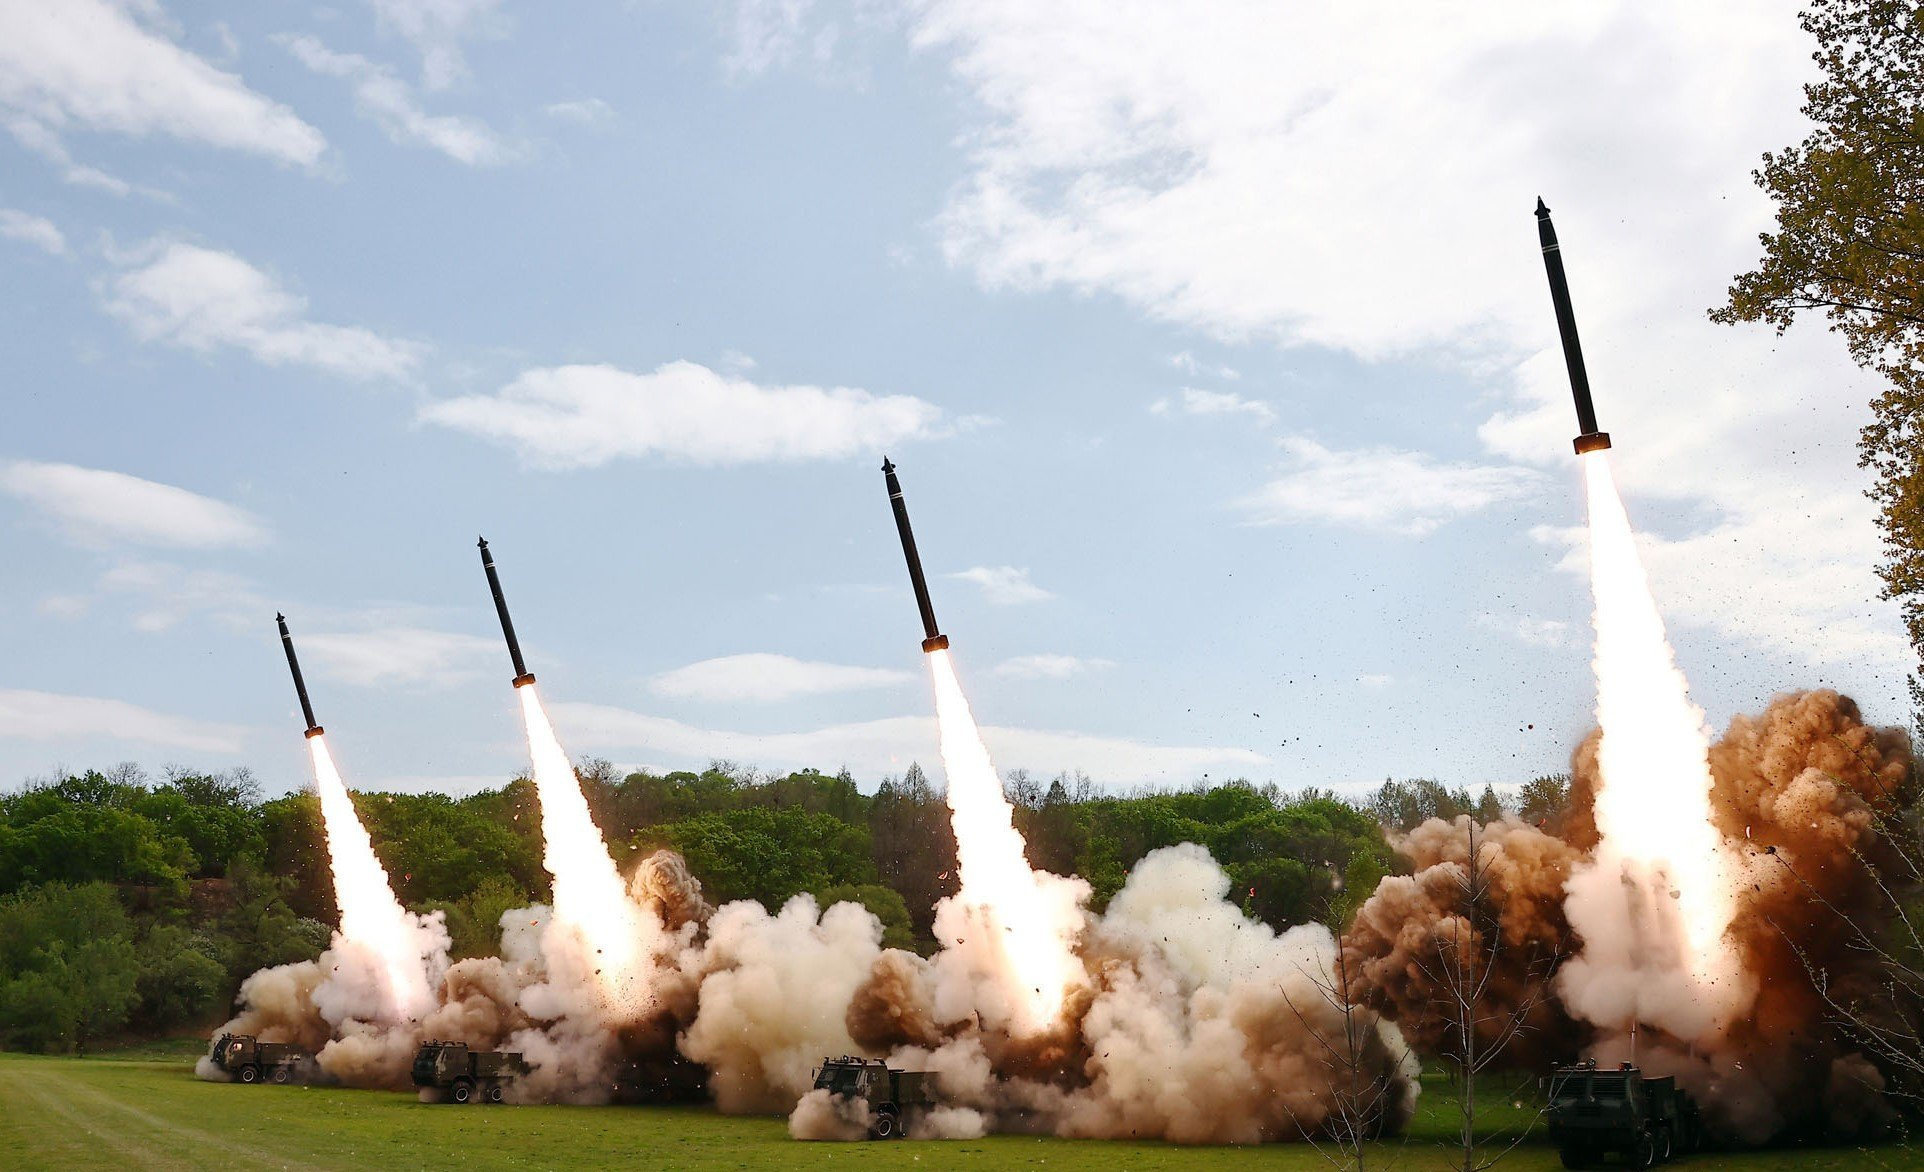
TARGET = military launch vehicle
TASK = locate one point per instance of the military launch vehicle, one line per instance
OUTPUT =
(1596, 1112)
(457, 1073)
(894, 1097)
(248, 1059)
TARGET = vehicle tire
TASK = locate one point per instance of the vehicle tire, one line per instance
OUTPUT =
(1666, 1146)
(887, 1126)
(250, 1073)
(1644, 1154)
(280, 1075)
(1576, 1157)
(463, 1092)
(494, 1093)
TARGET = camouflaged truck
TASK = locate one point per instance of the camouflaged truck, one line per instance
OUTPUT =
(248, 1059)
(894, 1097)
(457, 1074)
(1598, 1112)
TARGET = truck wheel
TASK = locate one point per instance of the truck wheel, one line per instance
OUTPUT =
(280, 1075)
(494, 1092)
(1666, 1146)
(1576, 1157)
(250, 1073)
(887, 1126)
(463, 1091)
(1644, 1154)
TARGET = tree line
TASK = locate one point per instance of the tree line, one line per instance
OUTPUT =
(131, 905)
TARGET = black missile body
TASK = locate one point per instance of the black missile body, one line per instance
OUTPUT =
(300, 685)
(1590, 439)
(933, 640)
(522, 675)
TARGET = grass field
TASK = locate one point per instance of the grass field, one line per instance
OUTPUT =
(144, 1109)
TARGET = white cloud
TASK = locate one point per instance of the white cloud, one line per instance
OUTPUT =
(1812, 607)
(1049, 667)
(585, 416)
(1187, 362)
(1197, 402)
(391, 103)
(399, 656)
(1243, 169)
(99, 65)
(586, 112)
(165, 595)
(1380, 488)
(203, 299)
(875, 747)
(230, 48)
(437, 28)
(35, 230)
(766, 34)
(1004, 585)
(96, 506)
(41, 141)
(51, 716)
(1537, 632)
(764, 677)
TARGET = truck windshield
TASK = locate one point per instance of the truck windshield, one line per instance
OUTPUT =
(841, 1080)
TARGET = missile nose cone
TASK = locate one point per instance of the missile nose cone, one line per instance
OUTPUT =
(887, 466)
(482, 542)
(1541, 210)
(279, 617)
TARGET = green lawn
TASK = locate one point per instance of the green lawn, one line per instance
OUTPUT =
(144, 1109)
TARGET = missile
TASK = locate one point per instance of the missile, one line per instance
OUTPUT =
(934, 640)
(522, 676)
(300, 685)
(1591, 439)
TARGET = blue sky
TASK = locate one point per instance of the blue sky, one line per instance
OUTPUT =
(1211, 340)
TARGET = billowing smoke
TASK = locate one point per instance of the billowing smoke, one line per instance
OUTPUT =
(364, 996)
(1811, 802)
(1406, 936)
(1186, 1021)
(539, 998)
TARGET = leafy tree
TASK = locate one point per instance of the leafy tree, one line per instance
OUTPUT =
(82, 829)
(768, 854)
(1849, 244)
(1543, 801)
(260, 928)
(1405, 805)
(182, 977)
(474, 920)
(886, 905)
(913, 846)
(68, 971)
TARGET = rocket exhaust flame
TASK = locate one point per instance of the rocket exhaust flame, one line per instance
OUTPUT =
(375, 927)
(1027, 927)
(590, 899)
(1655, 904)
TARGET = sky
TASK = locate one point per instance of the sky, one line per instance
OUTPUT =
(1211, 340)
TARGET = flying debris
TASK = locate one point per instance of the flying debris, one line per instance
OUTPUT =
(933, 640)
(522, 676)
(300, 685)
(1591, 439)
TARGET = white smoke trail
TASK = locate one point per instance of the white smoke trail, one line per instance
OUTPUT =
(403, 951)
(1654, 906)
(1015, 927)
(617, 939)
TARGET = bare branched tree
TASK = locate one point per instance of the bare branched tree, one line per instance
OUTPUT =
(1467, 956)
(1362, 1065)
